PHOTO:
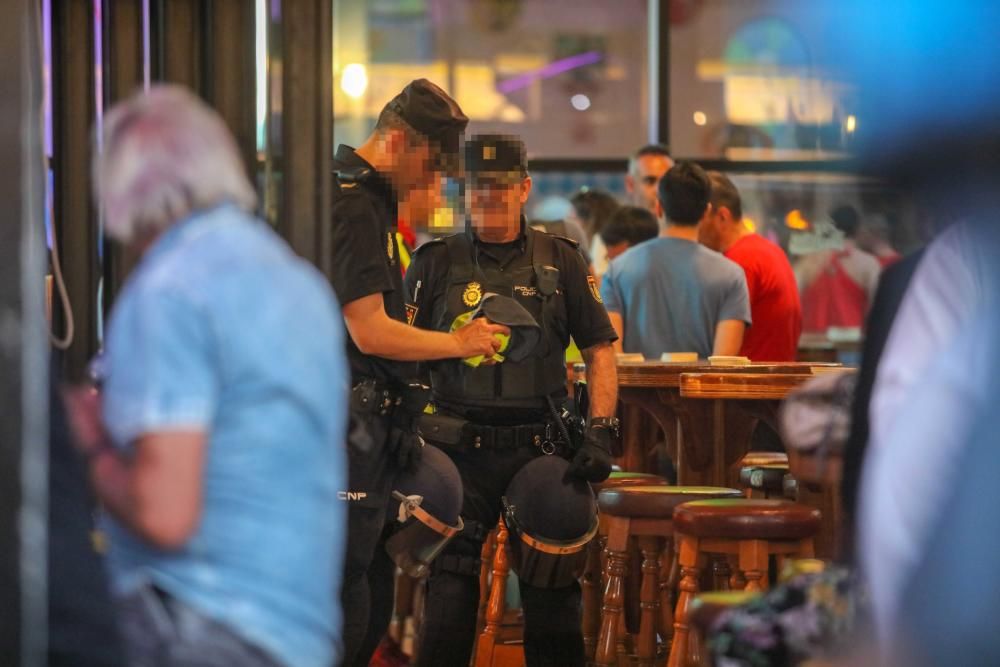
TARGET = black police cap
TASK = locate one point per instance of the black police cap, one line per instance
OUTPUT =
(525, 333)
(432, 112)
(495, 154)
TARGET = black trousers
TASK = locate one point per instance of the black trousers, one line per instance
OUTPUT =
(552, 617)
(367, 593)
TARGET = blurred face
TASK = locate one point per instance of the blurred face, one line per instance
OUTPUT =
(494, 203)
(712, 227)
(642, 181)
(415, 162)
(418, 206)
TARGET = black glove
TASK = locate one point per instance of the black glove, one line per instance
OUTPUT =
(592, 461)
(406, 447)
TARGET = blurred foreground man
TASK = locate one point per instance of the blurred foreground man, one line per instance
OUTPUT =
(774, 296)
(223, 450)
(672, 294)
(416, 139)
(499, 417)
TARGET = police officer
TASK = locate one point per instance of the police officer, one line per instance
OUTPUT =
(417, 135)
(494, 418)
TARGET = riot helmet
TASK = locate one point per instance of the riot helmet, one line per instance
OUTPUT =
(550, 521)
(425, 506)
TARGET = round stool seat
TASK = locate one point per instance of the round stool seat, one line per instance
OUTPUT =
(656, 502)
(764, 459)
(620, 478)
(768, 478)
(747, 519)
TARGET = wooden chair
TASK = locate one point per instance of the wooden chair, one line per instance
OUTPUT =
(644, 513)
(750, 530)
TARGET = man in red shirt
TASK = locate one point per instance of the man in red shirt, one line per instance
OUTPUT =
(774, 296)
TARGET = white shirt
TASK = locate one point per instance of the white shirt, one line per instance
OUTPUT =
(926, 391)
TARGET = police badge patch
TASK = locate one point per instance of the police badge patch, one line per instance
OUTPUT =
(411, 313)
(596, 293)
(473, 294)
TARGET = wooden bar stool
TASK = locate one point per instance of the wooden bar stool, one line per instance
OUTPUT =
(645, 513)
(591, 581)
(751, 530)
(501, 640)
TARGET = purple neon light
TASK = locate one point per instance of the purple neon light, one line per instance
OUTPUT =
(550, 70)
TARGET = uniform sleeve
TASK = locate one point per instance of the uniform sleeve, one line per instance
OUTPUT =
(588, 320)
(162, 368)
(609, 291)
(736, 298)
(360, 264)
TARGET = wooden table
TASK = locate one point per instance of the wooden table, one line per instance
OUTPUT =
(708, 413)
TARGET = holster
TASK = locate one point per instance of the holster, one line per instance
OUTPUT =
(400, 403)
(442, 429)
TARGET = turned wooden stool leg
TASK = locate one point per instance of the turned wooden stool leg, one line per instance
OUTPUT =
(689, 559)
(614, 589)
(736, 580)
(496, 605)
(590, 583)
(486, 556)
(649, 602)
(753, 563)
(668, 582)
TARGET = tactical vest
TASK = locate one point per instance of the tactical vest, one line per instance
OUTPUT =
(507, 385)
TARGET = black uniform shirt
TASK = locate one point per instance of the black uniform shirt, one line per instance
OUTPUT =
(366, 257)
(587, 320)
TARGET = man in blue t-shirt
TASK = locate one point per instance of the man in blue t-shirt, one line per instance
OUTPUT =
(672, 294)
(219, 449)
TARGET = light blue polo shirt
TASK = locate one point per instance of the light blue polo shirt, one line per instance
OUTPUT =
(223, 328)
(671, 294)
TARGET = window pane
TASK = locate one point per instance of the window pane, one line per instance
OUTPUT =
(569, 76)
(751, 80)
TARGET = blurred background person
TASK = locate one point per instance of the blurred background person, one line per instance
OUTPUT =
(628, 227)
(673, 294)
(774, 296)
(645, 169)
(873, 237)
(219, 448)
(837, 286)
(555, 215)
(592, 209)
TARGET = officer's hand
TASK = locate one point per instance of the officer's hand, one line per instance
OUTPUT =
(479, 337)
(406, 447)
(592, 461)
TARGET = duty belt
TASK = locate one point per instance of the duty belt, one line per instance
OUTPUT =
(457, 433)
(512, 437)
